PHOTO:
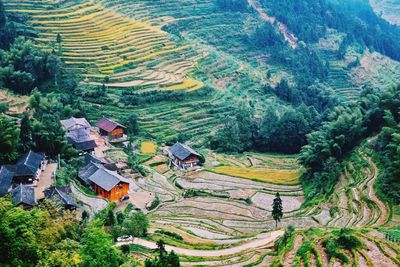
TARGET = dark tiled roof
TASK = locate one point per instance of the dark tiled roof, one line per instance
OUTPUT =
(55, 193)
(108, 125)
(23, 194)
(27, 165)
(106, 179)
(6, 178)
(79, 135)
(75, 123)
(92, 158)
(87, 171)
(182, 151)
(84, 146)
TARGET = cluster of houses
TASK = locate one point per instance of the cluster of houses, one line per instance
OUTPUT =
(98, 173)
(22, 178)
(101, 174)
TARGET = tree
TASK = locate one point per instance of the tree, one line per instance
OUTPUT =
(110, 218)
(97, 247)
(227, 138)
(53, 66)
(277, 209)
(132, 124)
(25, 135)
(161, 247)
(136, 224)
(164, 259)
(8, 139)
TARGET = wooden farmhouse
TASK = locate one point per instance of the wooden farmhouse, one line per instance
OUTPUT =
(111, 129)
(183, 157)
(78, 134)
(106, 183)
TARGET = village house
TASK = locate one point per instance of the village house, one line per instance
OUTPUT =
(78, 134)
(24, 196)
(27, 170)
(60, 197)
(183, 157)
(111, 129)
(106, 183)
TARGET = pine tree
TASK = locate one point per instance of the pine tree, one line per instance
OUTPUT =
(277, 209)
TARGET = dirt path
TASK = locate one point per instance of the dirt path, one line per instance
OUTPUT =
(96, 204)
(46, 180)
(289, 37)
(263, 240)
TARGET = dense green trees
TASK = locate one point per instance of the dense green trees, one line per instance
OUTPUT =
(24, 67)
(32, 238)
(346, 127)
(136, 224)
(7, 29)
(97, 247)
(309, 21)
(274, 132)
(47, 236)
(8, 139)
(388, 146)
(164, 259)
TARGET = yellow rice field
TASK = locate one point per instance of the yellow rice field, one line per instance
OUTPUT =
(148, 147)
(113, 42)
(289, 177)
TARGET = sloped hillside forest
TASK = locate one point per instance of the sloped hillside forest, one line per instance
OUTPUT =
(199, 133)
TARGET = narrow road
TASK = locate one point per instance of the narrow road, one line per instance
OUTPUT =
(289, 37)
(263, 240)
(96, 204)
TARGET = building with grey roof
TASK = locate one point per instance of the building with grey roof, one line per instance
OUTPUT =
(60, 197)
(78, 133)
(6, 178)
(183, 157)
(24, 196)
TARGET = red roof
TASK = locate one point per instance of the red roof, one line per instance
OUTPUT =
(108, 125)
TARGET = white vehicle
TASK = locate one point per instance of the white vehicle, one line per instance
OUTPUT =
(125, 238)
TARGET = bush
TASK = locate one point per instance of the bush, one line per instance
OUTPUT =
(172, 234)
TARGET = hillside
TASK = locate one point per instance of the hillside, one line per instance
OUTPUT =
(212, 111)
(208, 47)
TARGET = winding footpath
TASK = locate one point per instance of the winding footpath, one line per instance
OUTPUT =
(289, 37)
(264, 240)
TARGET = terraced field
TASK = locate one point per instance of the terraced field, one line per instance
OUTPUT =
(100, 43)
(222, 215)
(354, 203)
(16, 104)
(389, 9)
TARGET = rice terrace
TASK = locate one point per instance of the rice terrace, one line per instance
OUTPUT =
(199, 133)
